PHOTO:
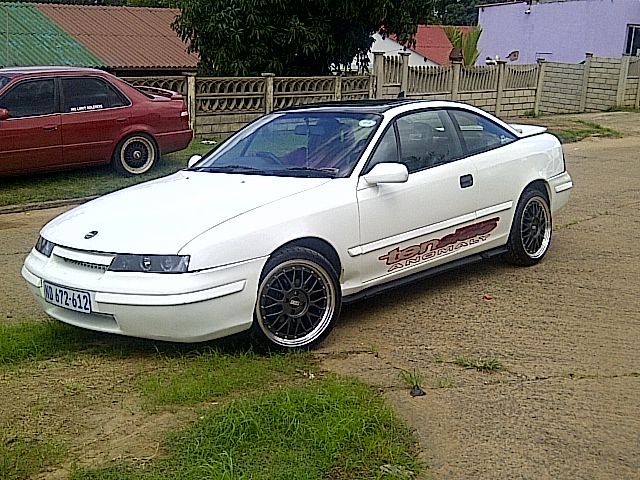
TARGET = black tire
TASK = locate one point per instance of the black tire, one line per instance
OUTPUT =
(135, 155)
(530, 235)
(299, 300)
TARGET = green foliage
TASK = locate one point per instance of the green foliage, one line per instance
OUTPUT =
(456, 12)
(21, 457)
(38, 341)
(582, 130)
(301, 37)
(84, 182)
(488, 364)
(204, 375)
(466, 41)
(325, 429)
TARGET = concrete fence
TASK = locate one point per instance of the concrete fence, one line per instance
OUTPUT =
(219, 106)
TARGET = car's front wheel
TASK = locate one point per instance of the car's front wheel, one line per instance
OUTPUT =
(530, 234)
(135, 155)
(298, 299)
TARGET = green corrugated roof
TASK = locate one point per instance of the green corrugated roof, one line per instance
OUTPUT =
(28, 37)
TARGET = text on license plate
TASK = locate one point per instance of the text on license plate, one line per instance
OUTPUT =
(68, 298)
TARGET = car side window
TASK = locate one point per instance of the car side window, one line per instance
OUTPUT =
(30, 98)
(81, 94)
(480, 134)
(427, 139)
(386, 151)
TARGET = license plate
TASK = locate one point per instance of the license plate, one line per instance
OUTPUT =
(67, 298)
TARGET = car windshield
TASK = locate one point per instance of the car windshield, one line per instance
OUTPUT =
(3, 80)
(300, 144)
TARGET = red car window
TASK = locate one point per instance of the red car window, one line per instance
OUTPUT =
(30, 98)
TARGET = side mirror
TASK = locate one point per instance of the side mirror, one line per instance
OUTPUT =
(193, 160)
(4, 113)
(387, 173)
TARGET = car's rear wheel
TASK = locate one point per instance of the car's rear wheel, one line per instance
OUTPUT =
(298, 299)
(135, 155)
(530, 234)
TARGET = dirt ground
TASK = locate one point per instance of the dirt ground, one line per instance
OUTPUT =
(567, 332)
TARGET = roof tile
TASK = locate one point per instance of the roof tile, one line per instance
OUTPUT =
(125, 37)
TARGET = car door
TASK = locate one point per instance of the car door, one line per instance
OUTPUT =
(30, 139)
(94, 115)
(405, 227)
(497, 159)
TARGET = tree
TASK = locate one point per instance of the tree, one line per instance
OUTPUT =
(247, 37)
(467, 42)
(458, 12)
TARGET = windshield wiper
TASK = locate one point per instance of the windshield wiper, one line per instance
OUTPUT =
(226, 169)
(324, 172)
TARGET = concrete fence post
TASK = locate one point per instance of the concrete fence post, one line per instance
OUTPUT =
(622, 81)
(404, 73)
(455, 82)
(500, 86)
(191, 100)
(585, 82)
(337, 93)
(542, 66)
(372, 86)
(268, 92)
(378, 73)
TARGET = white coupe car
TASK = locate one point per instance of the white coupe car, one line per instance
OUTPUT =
(302, 210)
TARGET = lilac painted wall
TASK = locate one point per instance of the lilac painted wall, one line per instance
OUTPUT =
(558, 31)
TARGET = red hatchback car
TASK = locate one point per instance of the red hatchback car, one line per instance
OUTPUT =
(62, 117)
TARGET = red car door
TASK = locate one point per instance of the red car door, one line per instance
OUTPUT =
(94, 114)
(31, 138)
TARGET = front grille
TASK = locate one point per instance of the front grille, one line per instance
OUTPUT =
(91, 266)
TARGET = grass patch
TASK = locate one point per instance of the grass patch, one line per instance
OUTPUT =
(37, 341)
(22, 457)
(444, 382)
(327, 428)
(24, 342)
(582, 130)
(88, 181)
(195, 378)
(488, 364)
(624, 109)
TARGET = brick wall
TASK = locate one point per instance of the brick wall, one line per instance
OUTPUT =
(483, 100)
(631, 92)
(562, 88)
(604, 76)
(517, 103)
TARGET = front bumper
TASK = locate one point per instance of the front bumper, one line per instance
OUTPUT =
(186, 307)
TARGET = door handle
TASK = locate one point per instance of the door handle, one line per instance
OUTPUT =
(50, 127)
(466, 181)
(121, 120)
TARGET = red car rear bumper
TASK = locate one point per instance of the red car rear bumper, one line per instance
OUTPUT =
(174, 141)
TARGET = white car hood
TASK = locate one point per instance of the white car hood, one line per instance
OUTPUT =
(161, 216)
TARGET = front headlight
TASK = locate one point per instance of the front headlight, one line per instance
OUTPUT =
(44, 246)
(150, 263)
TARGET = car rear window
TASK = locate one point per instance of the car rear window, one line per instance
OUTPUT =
(4, 80)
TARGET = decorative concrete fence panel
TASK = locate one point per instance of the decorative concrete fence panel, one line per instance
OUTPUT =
(430, 80)
(219, 106)
(174, 83)
(479, 79)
